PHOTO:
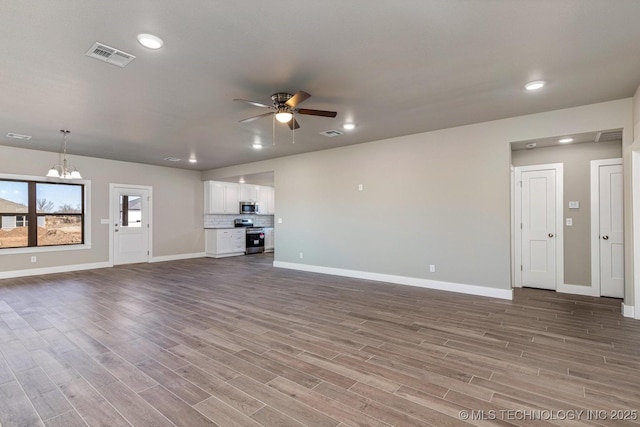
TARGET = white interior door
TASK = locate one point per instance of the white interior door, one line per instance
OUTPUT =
(611, 231)
(131, 224)
(538, 216)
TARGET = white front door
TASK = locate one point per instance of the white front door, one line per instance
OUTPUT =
(538, 211)
(611, 231)
(130, 215)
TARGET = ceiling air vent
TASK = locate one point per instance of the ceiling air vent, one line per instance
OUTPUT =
(172, 159)
(609, 135)
(18, 136)
(109, 54)
(331, 133)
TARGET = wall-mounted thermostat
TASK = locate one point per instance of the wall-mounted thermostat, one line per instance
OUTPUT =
(574, 205)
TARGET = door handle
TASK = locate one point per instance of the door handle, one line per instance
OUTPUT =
(605, 237)
(550, 234)
(116, 230)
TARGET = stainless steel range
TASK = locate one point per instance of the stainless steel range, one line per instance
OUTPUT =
(255, 235)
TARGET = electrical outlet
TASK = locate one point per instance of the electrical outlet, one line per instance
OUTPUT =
(33, 259)
(279, 220)
(360, 187)
(432, 268)
(301, 255)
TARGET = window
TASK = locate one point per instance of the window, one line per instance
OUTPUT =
(37, 214)
(130, 211)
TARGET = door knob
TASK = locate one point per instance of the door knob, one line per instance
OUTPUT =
(605, 237)
(116, 230)
(550, 234)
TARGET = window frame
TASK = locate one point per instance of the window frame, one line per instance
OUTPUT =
(86, 203)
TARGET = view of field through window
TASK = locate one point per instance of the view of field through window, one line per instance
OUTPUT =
(57, 214)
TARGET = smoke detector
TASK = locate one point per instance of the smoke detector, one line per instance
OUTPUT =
(109, 54)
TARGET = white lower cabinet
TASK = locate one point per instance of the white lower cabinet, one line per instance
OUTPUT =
(222, 242)
(268, 239)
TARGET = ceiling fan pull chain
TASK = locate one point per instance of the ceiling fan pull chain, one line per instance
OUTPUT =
(293, 129)
(273, 130)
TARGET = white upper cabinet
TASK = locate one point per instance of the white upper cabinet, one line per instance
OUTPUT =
(260, 194)
(266, 200)
(221, 197)
(249, 193)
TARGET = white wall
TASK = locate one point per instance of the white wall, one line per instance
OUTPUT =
(177, 209)
(433, 198)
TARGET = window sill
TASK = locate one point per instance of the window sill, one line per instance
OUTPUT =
(41, 249)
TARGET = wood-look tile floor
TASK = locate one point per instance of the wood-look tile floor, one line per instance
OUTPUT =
(235, 342)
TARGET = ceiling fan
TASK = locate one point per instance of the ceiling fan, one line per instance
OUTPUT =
(285, 106)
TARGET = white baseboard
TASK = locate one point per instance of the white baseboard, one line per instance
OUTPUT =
(589, 291)
(177, 257)
(212, 255)
(401, 280)
(50, 270)
(628, 310)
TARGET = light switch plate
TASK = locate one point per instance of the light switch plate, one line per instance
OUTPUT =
(574, 205)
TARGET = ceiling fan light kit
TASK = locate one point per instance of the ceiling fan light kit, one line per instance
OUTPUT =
(284, 116)
(285, 107)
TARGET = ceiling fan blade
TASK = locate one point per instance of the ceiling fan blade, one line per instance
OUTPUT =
(298, 98)
(250, 119)
(322, 113)
(293, 124)
(254, 103)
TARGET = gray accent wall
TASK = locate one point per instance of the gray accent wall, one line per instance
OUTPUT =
(577, 187)
(439, 197)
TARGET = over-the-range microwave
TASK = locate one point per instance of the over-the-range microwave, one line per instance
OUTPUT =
(248, 208)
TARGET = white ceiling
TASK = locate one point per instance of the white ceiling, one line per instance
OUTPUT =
(392, 67)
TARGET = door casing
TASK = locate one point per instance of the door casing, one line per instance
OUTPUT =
(595, 220)
(559, 236)
(112, 192)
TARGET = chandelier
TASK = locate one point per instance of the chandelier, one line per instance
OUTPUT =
(63, 169)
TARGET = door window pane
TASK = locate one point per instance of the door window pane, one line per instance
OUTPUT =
(130, 211)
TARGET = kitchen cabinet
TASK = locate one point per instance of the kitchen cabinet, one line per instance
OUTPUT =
(221, 197)
(268, 239)
(223, 242)
(249, 192)
(260, 194)
(266, 196)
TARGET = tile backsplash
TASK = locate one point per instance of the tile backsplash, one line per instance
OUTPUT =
(226, 221)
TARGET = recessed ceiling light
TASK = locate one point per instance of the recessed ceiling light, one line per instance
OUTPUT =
(257, 146)
(349, 126)
(150, 41)
(531, 145)
(241, 181)
(193, 161)
(18, 136)
(565, 140)
(538, 84)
